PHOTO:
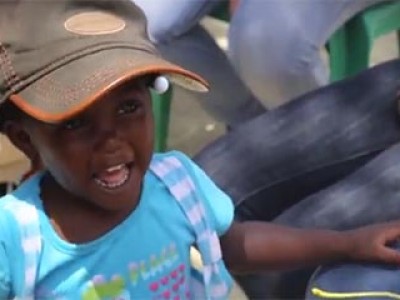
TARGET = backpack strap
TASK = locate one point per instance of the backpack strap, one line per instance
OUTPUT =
(27, 219)
(173, 173)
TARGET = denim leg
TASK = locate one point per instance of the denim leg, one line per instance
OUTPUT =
(286, 38)
(173, 26)
(169, 19)
(228, 100)
(279, 158)
(273, 162)
(369, 195)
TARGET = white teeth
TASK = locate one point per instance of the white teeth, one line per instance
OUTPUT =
(123, 174)
(115, 168)
(113, 185)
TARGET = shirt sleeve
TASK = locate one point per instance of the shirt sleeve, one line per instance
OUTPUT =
(217, 203)
(5, 272)
(5, 282)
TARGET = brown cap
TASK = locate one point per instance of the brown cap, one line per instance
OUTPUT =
(59, 56)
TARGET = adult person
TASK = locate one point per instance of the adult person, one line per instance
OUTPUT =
(274, 48)
(173, 26)
(302, 164)
(276, 45)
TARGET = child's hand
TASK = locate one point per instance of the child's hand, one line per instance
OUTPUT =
(252, 246)
(374, 243)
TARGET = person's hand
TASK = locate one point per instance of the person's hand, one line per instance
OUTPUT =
(374, 243)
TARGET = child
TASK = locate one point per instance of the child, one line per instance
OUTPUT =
(107, 219)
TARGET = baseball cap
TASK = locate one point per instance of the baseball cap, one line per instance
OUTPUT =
(57, 57)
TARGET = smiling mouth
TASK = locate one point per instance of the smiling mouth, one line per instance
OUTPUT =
(113, 177)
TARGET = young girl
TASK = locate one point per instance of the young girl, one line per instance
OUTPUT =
(107, 219)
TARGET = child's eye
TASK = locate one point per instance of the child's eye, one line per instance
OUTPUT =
(73, 124)
(128, 107)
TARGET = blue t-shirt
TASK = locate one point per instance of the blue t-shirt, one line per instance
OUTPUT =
(145, 257)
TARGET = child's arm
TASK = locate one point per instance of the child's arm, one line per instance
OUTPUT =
(252, 246)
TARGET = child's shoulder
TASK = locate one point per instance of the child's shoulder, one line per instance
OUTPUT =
(218, 205)
(19, 211)
(25, 197)
(14, 212)
(171, 155)
(172, 161)
(178, 162)
(174, 157)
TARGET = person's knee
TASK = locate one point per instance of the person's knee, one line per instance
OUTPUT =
(268, 59)
(168, 20)
(165, 20)
(163, 28)
(281, 47)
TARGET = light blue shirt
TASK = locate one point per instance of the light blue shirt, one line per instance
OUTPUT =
(144, 257)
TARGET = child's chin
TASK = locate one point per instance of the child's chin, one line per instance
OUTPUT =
(115, 203)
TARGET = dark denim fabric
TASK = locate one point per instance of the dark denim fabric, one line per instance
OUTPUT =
(304, 164)
(362, 281)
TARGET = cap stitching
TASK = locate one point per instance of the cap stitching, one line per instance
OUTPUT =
(9, 73)
(3, 69)
(47, 86)
(60, 62)
(3, 64)
(46, 83)
(20, 84)
(59, 88)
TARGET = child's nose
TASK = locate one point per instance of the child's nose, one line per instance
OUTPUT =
(107, 137)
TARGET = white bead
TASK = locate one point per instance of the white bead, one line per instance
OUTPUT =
(161, 84)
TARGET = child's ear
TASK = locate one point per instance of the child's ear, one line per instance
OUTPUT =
(18, 135)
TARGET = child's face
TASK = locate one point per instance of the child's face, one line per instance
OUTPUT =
(102, 154)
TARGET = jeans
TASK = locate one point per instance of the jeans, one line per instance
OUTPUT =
(322, 160)
(286, 38)
(173, 26)
(274, 46)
